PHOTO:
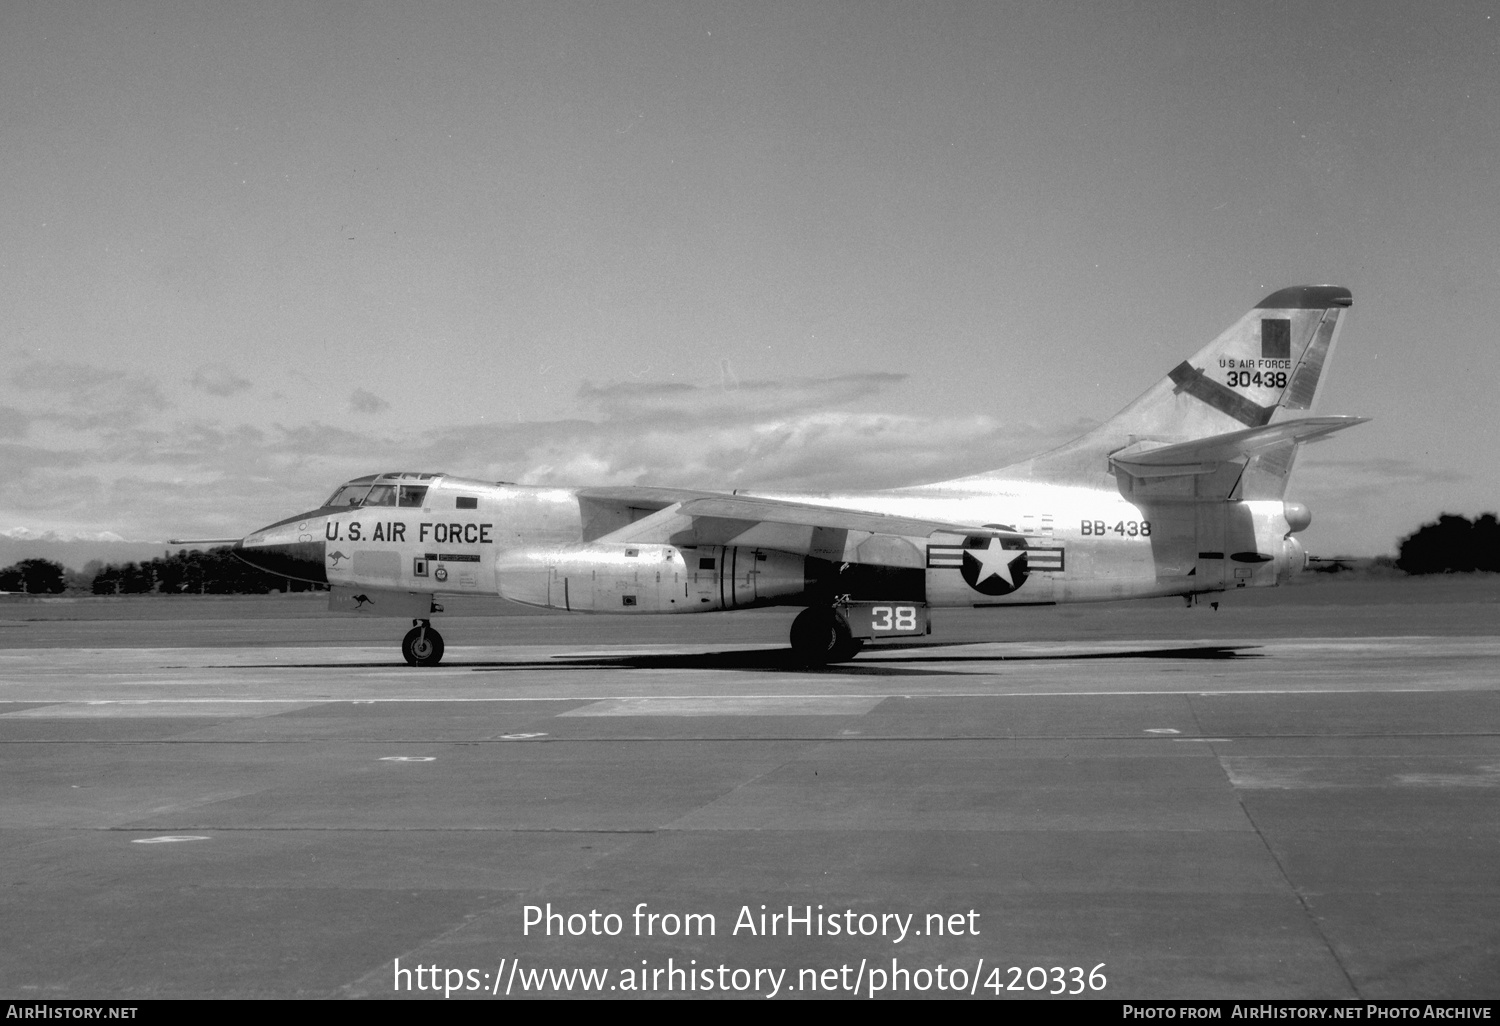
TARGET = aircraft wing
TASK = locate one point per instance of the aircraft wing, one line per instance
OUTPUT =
(827, 532)
(1205, 455)
(746, 508)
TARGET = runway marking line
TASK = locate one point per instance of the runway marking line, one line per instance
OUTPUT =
(763, 738)
(33, 702)
(715, 705)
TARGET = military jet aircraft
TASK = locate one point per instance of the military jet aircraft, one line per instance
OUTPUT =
(1180, 493)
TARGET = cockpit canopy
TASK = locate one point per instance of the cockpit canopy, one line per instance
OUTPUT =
(393, 489)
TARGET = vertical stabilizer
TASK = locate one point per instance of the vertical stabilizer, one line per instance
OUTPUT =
(1268, 366)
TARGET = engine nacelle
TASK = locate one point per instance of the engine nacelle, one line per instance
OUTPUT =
(641, 578)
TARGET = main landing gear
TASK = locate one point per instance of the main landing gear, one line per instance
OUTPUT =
(821, 636)
(422, 645)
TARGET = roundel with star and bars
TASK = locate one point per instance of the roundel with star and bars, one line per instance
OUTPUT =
(993, 565)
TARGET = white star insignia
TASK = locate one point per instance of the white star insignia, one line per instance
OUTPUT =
(995, 561)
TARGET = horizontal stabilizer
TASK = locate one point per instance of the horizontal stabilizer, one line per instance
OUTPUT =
(1204, 455)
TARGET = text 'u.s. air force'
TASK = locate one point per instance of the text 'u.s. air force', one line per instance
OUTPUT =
(441, 532)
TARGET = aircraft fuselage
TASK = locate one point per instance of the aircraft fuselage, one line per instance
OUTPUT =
(1180, 493)
(570, 549)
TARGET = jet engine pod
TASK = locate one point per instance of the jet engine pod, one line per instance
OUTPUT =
(647, 578)
(593, 578)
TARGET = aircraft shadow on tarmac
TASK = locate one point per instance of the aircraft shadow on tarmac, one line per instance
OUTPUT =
(782, 660)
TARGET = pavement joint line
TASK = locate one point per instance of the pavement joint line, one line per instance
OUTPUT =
(324, 700)
(658, 738)
(1312, 919)
(378, 830)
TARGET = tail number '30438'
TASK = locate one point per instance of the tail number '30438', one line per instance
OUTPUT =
(1243, 379)
(893, 618)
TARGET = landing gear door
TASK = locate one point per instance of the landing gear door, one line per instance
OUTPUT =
(885, 619)
(380, 602)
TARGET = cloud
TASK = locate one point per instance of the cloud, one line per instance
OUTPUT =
(812, 450)
(214, 479)
(217, 379)
(361, 401)
(1363, 506)
(85, 397)
(59, 376)
(17, 458)
(13, 422)
(72, 494)
(1377, 476)
(630, 400)
(26, 534)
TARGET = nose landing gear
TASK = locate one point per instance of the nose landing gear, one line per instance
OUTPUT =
(422, 645)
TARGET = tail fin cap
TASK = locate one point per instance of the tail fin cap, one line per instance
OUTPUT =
(1307, 297)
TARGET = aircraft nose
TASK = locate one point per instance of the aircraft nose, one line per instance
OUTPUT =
(292, 548)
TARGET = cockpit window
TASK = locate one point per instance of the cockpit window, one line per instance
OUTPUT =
(349, 495)
(382, 495)
(412, 495)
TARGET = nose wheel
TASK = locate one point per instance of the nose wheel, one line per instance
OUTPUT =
(422, 645)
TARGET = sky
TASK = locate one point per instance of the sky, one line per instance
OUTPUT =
(248, 251)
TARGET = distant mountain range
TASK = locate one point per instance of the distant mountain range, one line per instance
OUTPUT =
(75, 552)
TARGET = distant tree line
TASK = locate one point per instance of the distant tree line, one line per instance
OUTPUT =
(1452, 544)
(211, 572)
(35, 577)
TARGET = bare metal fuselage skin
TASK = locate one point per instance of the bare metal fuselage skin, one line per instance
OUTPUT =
(1181, 493)
(533, 546)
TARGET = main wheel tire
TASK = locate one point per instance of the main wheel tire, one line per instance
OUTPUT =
(820, 636)
(422, 646)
